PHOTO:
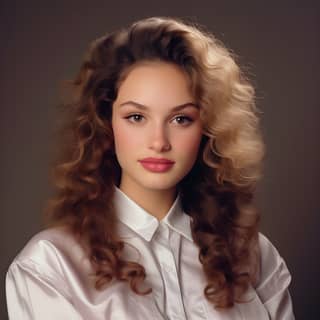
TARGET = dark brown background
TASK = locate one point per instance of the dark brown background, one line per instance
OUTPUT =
(42, 43)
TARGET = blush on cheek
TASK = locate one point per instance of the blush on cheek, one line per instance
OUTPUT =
(192, 148)
(126, 142)
(192, 141)
(120, 135)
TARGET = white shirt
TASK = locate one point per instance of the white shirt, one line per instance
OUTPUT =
(49, 278)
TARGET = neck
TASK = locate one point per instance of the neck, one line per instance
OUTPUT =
(155, 202)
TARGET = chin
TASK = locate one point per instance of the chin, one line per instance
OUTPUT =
(159, 186)
(160, 183)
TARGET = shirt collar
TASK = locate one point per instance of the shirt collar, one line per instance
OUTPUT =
(145, 224)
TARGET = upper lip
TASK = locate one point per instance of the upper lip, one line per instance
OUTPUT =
(157, 160)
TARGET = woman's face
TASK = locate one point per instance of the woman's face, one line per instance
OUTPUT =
(155, 116)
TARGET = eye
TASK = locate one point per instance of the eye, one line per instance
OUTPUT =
(134, 117)
(183, 120)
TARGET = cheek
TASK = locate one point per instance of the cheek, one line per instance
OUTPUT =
(189, 144)
(124, 139)
(121, 140)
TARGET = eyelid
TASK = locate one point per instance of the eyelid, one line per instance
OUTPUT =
(182, 115)
(133, 114)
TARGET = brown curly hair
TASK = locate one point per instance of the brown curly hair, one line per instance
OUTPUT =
(218, 192)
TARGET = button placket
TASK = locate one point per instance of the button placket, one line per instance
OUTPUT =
(174, 303)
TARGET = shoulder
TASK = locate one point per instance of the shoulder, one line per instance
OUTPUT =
(274, 274)
(49, 250)
(269, 252)
(270, 258)
(45, 242)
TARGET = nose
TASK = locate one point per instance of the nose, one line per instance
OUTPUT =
(159, 140)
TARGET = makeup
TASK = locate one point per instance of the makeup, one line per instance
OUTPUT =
(157, 165)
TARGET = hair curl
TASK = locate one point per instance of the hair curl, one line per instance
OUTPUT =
(218, 192)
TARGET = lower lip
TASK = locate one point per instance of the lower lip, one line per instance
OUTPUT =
(156, 166)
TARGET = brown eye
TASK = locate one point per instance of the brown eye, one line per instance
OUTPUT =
(134, 117)
(183, 120)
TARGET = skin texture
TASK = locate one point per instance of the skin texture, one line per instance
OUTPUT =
(156, 131)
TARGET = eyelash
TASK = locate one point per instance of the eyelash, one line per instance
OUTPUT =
(131, 117)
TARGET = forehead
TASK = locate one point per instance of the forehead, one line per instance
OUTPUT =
(155, 82)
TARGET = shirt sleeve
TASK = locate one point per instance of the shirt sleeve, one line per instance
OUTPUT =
(34, 295)
(275, 278)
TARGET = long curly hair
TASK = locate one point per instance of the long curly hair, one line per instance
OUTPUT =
(218, 192)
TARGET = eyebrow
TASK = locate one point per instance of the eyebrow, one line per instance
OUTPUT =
(176, 108)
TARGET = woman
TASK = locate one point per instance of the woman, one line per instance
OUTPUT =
(154, 214)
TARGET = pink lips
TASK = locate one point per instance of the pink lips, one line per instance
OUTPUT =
(157, 164)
